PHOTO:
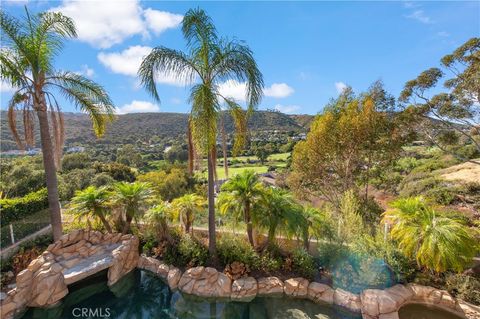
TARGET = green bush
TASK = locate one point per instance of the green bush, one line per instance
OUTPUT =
(232, 249)
(186, 251)
(13, 209)
(268, 262)
(464, 287)
(303, 263)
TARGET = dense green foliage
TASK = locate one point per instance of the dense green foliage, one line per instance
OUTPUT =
(14, 209)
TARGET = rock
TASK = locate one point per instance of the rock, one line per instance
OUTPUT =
(392, 315)
(403, 293)
(375, 302)
(3, 296)
(162, 270)
(173, 277)
(244, 289)
(296, 287)
(205, 282)
(24, 277)
(270, 286)
(318, 292)
(48, 291)
(347, 300)
(468, 310)
(236, 270)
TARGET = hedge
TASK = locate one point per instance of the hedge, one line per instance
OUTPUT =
(13, 209)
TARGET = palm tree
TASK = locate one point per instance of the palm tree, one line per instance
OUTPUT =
(209, 61)
(240, 193)
(315, 224)
(157, 218)
(437, 242)
(186, 207)
(29, 46)
(276, 211)
(92, 201)
(132, 199)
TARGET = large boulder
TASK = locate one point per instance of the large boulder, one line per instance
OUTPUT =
(270, 286)
(205, 282)
(296, 287)
(125, 259)
(244, 289)
(173, 277)
(318, 292)
(347, 300)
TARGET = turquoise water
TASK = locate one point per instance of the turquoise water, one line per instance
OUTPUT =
(141, 295)
(355, 273)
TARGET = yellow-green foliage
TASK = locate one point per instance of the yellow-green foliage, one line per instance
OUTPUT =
(435, 240)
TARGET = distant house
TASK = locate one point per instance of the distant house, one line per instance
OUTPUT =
(76, 149)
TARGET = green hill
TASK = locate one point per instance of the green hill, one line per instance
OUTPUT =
(131, 128)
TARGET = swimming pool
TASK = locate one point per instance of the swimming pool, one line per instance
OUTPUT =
(141, 295)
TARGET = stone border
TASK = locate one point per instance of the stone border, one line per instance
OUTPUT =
(72, 258)
(371, 303)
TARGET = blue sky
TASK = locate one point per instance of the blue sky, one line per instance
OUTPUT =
(307, 51)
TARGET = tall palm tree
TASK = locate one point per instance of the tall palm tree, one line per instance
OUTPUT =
(92, 202)
(132, 199)
(437, 242)
(209, 61)
(29, 46)
(278, 211)
(186, 207)
(157, 218)
(240, 193)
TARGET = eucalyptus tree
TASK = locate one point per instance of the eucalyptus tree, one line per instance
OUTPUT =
(239, 194)
(209, 61)
(29, 46)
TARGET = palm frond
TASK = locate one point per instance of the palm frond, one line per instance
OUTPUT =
(205, 110)
(198, 28)
(165, 61)
(87, 95)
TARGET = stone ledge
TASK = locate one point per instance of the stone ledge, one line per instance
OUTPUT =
(372, 303)
(73, 257)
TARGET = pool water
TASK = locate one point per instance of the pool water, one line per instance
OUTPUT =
(418, 311)
(141, 295)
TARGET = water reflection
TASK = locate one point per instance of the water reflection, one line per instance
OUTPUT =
(141, 295)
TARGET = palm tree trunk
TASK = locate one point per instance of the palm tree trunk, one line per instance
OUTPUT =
(249, 224)
(50, 171)
(224, 147)
(187, 222)
(126, 227)
(190, 148)
(212, 247)
(105, 223)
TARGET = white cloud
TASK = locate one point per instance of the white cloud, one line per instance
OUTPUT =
(286, 108)
(6, 87)
(278, 90)
(159, 21)
(103, 24)
(420, 16)
(86, 71)
(128, 61)
(340, 86)
(138, 107)
(410, 5)
(234, 90)
(237, 90)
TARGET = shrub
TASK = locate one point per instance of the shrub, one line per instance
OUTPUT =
(268, 262)
(117, 171)
(102, 179)
(17, 208)
(464, 287)
(303, 263)
(232, 249)
(186, 251)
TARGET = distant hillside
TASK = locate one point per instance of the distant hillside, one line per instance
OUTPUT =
(130, 128)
